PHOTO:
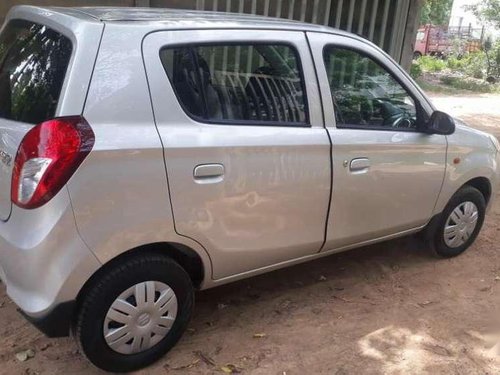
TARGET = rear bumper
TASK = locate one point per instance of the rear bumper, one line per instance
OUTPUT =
(44, 263)
(57, 323)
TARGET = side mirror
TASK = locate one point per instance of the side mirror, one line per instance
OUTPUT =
(440, 123)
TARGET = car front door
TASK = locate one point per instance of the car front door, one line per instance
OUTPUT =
(387, 173)
(246, 151)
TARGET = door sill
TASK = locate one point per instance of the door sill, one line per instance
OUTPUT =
(243, 275)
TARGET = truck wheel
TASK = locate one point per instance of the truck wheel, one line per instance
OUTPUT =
(134, 313)
(460, 222)
(416, 55)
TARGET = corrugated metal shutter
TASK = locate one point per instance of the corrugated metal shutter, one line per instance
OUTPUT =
(381, 21)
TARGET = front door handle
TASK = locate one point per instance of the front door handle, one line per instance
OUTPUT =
(208, 173)
(359, 165)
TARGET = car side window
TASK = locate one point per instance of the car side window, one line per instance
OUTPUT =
(365, 95)
(247, 84)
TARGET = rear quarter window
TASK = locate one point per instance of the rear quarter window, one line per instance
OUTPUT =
(33, 63)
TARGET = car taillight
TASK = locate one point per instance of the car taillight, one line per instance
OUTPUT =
(47, 157)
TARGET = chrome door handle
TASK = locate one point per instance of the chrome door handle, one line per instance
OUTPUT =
(359, 165)
(208, 173)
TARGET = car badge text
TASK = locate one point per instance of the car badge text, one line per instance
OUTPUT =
(5, 158)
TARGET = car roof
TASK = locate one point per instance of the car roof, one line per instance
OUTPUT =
(166, 18)
(183, 18)
(175, 16)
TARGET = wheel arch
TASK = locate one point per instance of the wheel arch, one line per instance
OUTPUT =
(482, 178)
(483, 184)
(185, 256)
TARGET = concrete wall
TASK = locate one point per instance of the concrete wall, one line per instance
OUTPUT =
(412, 25)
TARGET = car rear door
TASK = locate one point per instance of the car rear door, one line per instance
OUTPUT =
(387, 173)
(246, 151)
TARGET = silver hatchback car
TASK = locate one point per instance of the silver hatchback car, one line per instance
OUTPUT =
(146, 153)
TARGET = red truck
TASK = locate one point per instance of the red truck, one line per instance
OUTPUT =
(441, 40)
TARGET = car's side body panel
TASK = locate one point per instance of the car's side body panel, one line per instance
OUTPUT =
(470, 155)
(119, 195)
(28, 246)
(271, 203)
(398, 191)
(399, 188)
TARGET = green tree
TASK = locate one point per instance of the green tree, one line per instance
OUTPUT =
(487, 11)
(436, 12)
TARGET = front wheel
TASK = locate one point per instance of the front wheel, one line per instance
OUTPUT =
(460, 222)
(134, 312)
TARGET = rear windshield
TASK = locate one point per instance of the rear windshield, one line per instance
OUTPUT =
(33, 64)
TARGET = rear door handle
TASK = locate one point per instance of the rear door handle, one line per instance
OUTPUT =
(359, 165)
(208, 173)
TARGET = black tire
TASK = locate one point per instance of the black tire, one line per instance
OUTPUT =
(416, 55)
(437, 241)
(103, 291)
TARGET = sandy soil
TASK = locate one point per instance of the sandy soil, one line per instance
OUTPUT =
(391, 308)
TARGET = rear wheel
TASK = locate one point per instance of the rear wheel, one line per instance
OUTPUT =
(134, 313)
(460, 222)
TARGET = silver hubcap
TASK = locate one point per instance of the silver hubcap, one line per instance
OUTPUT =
(140, 317)
(460, 224)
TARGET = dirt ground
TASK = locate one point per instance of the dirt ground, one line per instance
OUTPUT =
(391, 308)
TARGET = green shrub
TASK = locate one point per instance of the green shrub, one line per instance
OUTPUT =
(454, 63)
(475, 65)
(493, 60)
(449, 80)
(461, 83)
(415, 70)
(431, 64)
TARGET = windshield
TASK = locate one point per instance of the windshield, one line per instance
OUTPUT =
(420, 35)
